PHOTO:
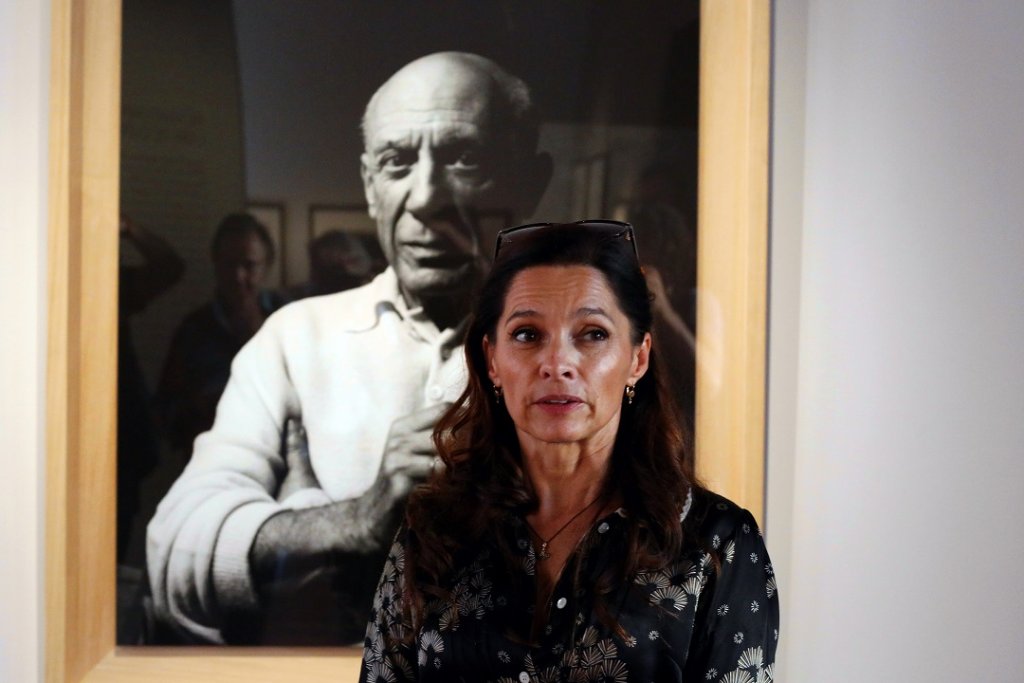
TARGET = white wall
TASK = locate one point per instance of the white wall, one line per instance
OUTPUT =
(905, 403)
(787, 179)
(24, 83)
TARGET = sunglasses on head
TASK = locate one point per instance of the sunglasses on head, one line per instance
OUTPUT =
(510, 238)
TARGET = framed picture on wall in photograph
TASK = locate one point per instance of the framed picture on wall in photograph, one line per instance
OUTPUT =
(588, 192)
(352, 219)
(272, 216)
(620, 128)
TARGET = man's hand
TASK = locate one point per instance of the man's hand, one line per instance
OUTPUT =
(351, 536)
(300, 473)
(409, 451)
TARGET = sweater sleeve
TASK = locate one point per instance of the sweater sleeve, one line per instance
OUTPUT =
(199, 539)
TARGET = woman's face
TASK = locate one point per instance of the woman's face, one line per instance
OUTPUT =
(563, 354)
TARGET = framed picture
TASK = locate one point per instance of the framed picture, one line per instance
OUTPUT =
(272, 215)
(81, 397)
(350, 219)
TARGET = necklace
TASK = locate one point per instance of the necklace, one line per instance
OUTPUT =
(543, 554)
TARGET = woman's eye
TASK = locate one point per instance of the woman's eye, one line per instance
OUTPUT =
(595, 334)
(525, 334)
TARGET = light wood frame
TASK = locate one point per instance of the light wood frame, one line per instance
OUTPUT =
(82, 320)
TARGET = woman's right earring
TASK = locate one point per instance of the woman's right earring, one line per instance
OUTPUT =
(630, 393)
(497, 394)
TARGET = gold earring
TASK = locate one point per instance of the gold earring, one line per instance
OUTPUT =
(497, 394)
(630, 393)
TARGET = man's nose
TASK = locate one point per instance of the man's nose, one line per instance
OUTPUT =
(558, 360)
(428, 191)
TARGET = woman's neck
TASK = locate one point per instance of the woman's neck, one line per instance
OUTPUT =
(572, 489)
(565, 476)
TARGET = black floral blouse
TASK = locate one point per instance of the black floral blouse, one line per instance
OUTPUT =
(687, 622)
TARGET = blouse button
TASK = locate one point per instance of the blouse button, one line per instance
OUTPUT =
(561, 603)
(603, 527)
(524, 677)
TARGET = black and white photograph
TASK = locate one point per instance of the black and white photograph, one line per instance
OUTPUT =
(282, 362)
(271, 216)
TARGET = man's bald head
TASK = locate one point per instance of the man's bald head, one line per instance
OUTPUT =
(449, 74)
(450, 157)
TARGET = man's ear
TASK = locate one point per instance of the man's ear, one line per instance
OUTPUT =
(535, 181)
(489, 355)
(366, 172)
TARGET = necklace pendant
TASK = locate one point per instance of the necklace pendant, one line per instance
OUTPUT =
(544, 554)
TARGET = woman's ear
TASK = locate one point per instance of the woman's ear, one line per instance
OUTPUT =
(489, 355)
(641, 359)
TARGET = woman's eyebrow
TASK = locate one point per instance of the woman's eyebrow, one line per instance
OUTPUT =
(522, 313)
(585, 311)
(581, 312)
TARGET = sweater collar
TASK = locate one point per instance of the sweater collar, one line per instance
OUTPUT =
(383, 296)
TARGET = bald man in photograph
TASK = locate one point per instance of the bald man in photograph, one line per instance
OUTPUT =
(277, 529)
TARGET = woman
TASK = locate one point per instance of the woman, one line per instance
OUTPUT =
(565, 538)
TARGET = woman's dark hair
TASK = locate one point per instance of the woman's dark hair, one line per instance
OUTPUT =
(483, 479)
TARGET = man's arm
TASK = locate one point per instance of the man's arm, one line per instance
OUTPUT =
(220, 541)
(196, 542)
(162, 267)
(293, 542)
(342, 544)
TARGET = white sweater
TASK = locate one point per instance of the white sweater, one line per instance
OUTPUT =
(347, 365)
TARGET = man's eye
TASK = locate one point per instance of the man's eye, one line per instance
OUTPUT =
(462, 160)
(397, 160)
(525, 335)
(468, 160)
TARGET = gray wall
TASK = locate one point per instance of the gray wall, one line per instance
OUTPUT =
(182, 167)
(897, 370)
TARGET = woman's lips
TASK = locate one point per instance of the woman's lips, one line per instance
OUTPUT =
(558, 403)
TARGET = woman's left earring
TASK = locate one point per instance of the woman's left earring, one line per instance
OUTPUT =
(630, 393)
(497, 394)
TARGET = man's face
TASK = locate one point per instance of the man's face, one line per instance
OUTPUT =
(433, 166)
(239, 265)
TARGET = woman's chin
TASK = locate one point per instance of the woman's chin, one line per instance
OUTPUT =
(556, 435)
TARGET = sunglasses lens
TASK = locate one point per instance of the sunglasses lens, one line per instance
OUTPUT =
(510, 240)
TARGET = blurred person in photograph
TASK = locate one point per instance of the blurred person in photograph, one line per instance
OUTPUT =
(138, 449)
(337, 261)
(198, 361)
(563, 536)
(663, 213)
(277, 530)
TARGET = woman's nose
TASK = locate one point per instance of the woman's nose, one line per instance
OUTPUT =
(558, 360)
